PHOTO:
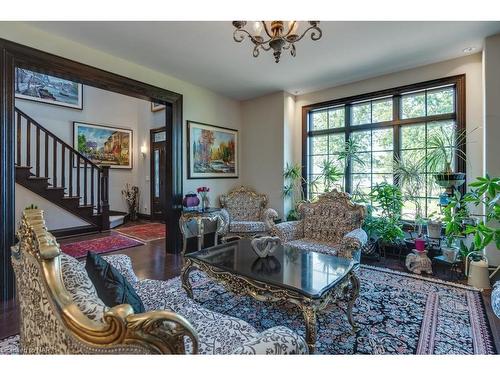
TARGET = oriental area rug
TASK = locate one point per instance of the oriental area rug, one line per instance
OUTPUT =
(145, 232)
(99, 245)
(397, 313)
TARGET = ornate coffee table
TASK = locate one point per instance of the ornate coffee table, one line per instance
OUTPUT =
(309, 280)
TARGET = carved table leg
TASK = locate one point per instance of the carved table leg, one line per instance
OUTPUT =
(186, 283)
(353, 295)
(309, 314)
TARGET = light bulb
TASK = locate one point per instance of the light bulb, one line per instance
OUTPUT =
(257, 28)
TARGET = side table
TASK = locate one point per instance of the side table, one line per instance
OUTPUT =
(200, 218)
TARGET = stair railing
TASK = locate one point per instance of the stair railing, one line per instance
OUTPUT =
(64, 167)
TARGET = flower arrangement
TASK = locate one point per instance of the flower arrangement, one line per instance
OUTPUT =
(131, 195)
(203, 192)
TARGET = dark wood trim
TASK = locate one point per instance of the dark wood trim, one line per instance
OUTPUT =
(17, 55)
(189, 122)
(74, 231)
(459, 116)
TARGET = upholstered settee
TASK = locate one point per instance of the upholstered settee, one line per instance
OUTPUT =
(330, 225)
(495, 299)
(61, 313)
(245, 213)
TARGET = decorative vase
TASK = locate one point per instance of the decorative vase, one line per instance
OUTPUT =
(264, 246)
(205, 202)
(190, 200)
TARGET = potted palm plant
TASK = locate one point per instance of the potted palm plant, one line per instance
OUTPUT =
(442, 146)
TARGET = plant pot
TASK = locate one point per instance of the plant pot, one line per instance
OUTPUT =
(434, 229)
(450, 253)
(448, 180)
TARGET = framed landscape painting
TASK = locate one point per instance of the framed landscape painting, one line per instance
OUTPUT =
(104, 145)
(155, 107)
(47, 89)
(212, 151)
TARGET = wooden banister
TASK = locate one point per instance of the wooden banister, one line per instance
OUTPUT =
(59, 170)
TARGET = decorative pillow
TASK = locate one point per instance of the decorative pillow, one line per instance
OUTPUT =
(112, 288)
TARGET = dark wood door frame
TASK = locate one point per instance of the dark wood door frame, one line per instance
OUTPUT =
(14, 55)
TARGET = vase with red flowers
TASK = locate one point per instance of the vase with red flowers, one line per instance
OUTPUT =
(203, 192)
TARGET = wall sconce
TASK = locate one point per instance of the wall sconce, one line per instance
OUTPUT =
(144, 150)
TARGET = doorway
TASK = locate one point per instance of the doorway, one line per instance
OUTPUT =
(158, 147)
(12, 56)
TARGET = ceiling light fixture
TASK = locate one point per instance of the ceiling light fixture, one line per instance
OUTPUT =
(469, 49)
(279, 37)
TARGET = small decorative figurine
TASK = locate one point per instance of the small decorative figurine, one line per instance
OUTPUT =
(418, 262)
(265, 246)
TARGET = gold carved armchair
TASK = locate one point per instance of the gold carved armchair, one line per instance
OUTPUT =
(330, 225)
(245, 213)
(52, 320)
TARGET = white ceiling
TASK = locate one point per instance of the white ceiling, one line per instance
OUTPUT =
(205, 54)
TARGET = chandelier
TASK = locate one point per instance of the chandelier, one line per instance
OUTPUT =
(277, 36)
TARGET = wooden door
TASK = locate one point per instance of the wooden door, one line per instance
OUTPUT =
(158, 175)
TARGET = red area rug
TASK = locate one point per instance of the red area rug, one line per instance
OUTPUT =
(99, 245)
(145, 232)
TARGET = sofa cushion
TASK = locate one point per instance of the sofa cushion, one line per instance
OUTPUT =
(247, 226)
(81, 289)
(110, 284)
(218, 334)
(316, 246)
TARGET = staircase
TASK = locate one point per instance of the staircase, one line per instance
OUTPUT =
(51, 168)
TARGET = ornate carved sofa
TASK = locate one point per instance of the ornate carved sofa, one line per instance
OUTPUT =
(61, 313)
(245, 213)
(330, 225)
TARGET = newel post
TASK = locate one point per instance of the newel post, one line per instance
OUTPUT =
(104, 197)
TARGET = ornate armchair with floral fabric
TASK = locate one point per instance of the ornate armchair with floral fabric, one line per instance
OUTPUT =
(330, 225)
(245, 213)
(61, 313)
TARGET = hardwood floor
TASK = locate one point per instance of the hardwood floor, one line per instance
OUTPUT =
(151, 261)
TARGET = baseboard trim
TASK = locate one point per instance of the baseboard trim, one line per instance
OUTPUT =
(144, 216)
(74, 231)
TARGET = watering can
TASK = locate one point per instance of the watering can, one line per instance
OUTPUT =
(476, 270)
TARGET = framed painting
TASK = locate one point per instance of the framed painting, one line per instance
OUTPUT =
(212, 151)
(155, 107)
(47, 89)
(104, 145)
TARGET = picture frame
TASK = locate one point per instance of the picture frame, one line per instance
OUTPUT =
(104, 144)
(47, 89)
(212, 151)
(155, 107)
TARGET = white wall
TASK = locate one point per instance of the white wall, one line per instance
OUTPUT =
(492, 118)
(199, 104)
(262, 140)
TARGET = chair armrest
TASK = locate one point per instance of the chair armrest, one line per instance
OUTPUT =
(288, 231)
(495, 299)
(224, 221)
(123, 264)
(351, 242)
(268, 217)
(276, 340)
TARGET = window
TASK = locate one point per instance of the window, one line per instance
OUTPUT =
(384, 125)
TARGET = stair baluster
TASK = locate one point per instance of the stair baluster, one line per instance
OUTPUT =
(57, 183)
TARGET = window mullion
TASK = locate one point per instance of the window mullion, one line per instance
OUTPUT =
(347, 123)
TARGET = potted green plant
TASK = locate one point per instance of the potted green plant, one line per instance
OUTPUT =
(384, 222)
(442, 146)
(455, 212)
(293, 189)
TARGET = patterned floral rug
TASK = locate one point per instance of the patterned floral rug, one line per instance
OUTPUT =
(397, 314)
(99, 245)
(145, 232)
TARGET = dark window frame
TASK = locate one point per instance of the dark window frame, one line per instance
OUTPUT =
(459, 116)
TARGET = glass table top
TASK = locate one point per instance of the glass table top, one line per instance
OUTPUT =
(309, 273)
